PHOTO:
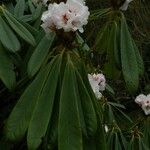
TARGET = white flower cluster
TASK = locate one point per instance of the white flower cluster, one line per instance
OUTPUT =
(69, 16)
(124, 7)
(98, 83)
(144, 102)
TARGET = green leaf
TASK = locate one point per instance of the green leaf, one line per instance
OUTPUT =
(139, 59)
(116, 105)
(128, 59)
(82, 119)
(10, 7)
(110, 68)
(110, 89)
(117, 143)
(37, 13)
(69, 128)
(110, 141)
(111, 117)
(50, 141)
(96, 14)
(7, 37)
(124, 115)
(19, 28)
(40, 54)
(31, 6)
(19, 8)
(88, 108)
(99, 137)
(82, 43)
(31, 29)
(19, 118)
(40, 119)
(124, 141)
(26, 18)
(7, 74)
(101, 41)
(117, 55)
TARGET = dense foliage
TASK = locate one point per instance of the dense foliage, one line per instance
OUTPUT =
(46, 100)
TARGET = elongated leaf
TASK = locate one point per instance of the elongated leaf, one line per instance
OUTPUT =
(40, 119)
(19, 8)
(51, 138)
(110, 68)
(128, 59)
(69, 128)
(7, 74)
(117, 142)
(139, 60)
(19, 28)
(117, 40)
(40, 54)
(31, 29)
(101, 41)
(96, 14)
(19, 118)
(124, 141)
(7, 37)
(31, 6)
(88, 108)
(10, 7)
(111, 117)
(100, 136)
(82, 119)
(82, 43)
(37, 13)
(110, 89)
(110, 140)
(81, 69)
(26, 18)
(116, 105)
(124, 115)
(100, 139)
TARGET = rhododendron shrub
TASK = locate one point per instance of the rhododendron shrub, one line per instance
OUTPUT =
(72, 73)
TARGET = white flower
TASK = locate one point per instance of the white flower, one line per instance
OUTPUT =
(69, 16)
(140, 99)
(98, 83)
(102, 82)
(106, 128)
(144, 102)
(124, 7)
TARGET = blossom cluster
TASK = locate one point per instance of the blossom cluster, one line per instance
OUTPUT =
(144, 102)
(98, 83)
(69, 16)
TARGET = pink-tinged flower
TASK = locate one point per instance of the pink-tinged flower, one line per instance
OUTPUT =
(124, 7)
(144, 102)
(98, 83)
(69, 16)
(140, 99)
